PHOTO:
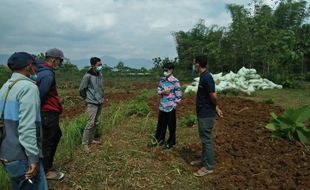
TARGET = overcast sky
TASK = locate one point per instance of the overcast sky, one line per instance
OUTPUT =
(119, 28)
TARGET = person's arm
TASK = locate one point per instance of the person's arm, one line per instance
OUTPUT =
(45, 85)
(29, 108)
(160, 88)
(83, 87)
(178, 93)
(213, 98)
(212, 94)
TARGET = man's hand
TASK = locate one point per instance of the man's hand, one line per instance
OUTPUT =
(32, 170)
(219, 112)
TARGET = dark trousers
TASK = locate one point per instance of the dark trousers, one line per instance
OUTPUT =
(51, 137)
(166, 119)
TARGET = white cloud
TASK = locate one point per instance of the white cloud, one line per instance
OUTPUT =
(120, 28)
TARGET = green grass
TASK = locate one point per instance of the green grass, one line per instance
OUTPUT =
(286, 98)
(124, 161)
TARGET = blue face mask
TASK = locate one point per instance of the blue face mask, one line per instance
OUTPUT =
(194, 69)
(99, 68)
(33, 77)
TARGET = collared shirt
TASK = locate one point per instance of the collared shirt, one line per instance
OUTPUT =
(204, 106)
(169, 102)
(22, 120)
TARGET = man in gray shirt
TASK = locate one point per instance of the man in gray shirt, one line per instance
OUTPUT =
(91, 90)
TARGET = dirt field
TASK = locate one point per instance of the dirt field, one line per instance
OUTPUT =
(246, 157)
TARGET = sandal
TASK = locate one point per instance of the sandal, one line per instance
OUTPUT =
(54, 175)
(202, 172)
(95, 142)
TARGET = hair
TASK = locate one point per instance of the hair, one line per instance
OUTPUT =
(168, 65)
(202, 60)
(94, 60)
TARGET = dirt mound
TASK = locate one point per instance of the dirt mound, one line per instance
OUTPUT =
(246, 157)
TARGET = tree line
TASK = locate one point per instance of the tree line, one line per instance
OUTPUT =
(273, 40)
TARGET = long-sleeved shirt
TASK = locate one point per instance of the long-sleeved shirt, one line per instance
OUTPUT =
(91, 87)
(50, 100)
(23, 136)
(169, 102)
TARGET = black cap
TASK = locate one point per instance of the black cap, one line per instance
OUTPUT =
(20, 60)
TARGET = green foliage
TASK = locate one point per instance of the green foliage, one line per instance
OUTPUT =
(4, 178)
(5, 74)
(291, 125)
(273, 40)
(139, 105)
(269, 101)
(189, 120)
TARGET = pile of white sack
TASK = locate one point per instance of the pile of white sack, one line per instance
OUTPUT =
(245, 80)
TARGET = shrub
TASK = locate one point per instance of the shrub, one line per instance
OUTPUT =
(138, 106)
(291, 125)
(189, 120)
(269, 101)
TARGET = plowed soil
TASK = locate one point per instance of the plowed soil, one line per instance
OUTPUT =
(246, 157)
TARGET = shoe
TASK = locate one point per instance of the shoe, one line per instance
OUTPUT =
(202, 172)
(195, 162)
(86, 148)
(54, 175)
(168, 146)
(95, 142)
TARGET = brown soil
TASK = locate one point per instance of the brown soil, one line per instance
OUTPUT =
(246, 157)
(79, 106)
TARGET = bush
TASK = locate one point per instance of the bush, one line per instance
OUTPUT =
(291, 125)
(138, 106)
(189, 120)
(269, 101)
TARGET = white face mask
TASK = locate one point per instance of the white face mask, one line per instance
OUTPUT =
(167, 73)
(99, 68)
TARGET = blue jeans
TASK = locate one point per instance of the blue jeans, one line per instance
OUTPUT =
(205, 126)
(17, 170)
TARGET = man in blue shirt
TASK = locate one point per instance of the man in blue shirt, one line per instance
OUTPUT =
(207, 109)
(21, 148)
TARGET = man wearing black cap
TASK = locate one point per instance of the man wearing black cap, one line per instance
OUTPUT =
(21, 149)
(51, 108)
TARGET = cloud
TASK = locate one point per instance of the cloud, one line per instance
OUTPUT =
(119, 28)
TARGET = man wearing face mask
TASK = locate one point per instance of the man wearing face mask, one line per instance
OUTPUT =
(207, 109)
(51, 108)
(91, 90)
(170, 94)
(21, 147)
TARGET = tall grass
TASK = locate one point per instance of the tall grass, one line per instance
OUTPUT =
(72, 131)
(4, 180)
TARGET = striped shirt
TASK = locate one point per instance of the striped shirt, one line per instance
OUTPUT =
(169, 102)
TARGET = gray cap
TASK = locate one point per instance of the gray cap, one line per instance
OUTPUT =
(57, 53)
